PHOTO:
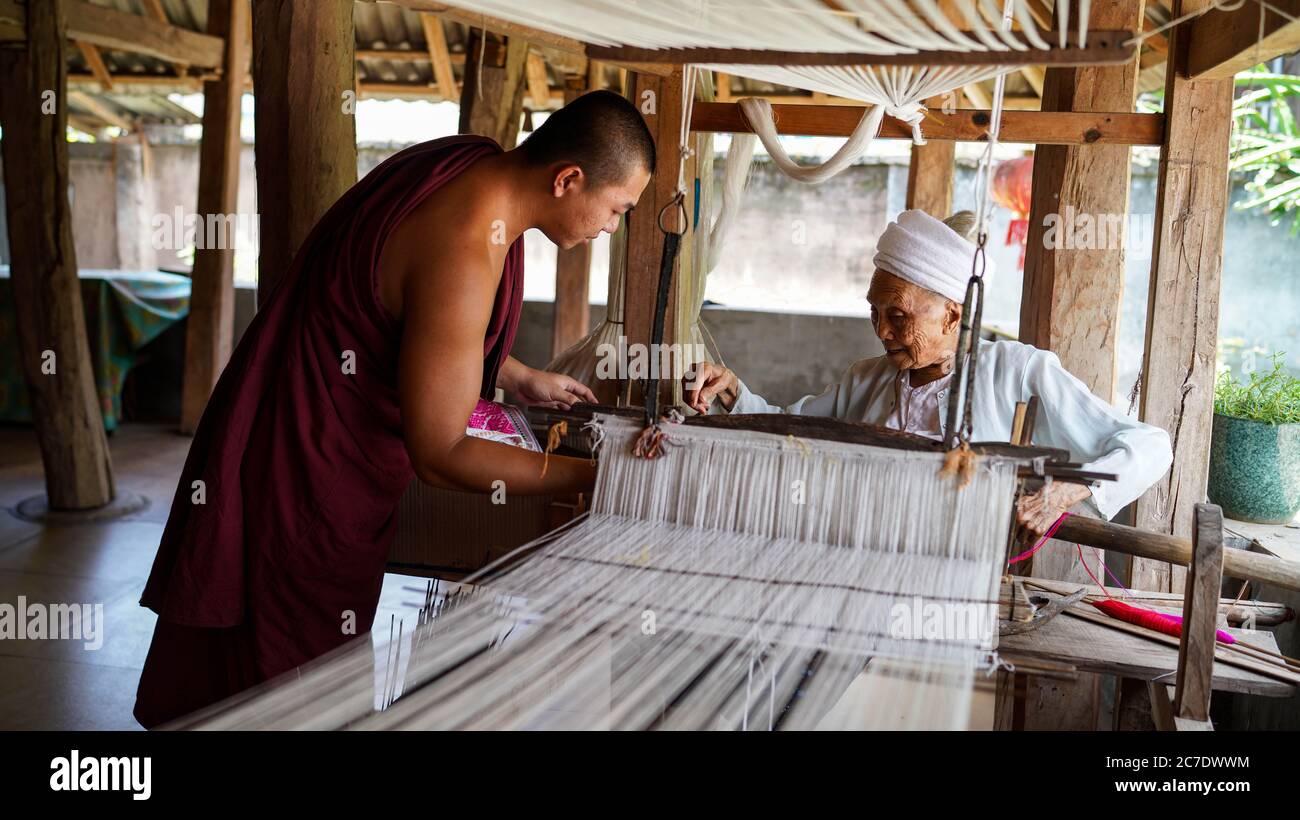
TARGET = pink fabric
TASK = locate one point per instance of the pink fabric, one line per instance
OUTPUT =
(488, 415)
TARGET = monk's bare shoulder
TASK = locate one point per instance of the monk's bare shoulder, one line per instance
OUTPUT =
(440, 244)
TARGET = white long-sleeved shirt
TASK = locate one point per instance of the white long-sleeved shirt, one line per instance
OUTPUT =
(1070, 416)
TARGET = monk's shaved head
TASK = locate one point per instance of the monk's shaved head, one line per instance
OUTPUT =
(600, 132)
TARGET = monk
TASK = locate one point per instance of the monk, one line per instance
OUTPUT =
(359, 375)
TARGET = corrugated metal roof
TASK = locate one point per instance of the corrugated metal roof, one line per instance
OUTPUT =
(392, 52)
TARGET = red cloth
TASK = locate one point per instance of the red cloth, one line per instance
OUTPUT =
(302, 464)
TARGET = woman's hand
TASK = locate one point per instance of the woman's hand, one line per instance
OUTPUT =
(541, 388)
(1038, 511)
(706, 382)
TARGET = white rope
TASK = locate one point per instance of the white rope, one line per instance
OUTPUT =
(984, 172)
(758, 113)
(740, 156)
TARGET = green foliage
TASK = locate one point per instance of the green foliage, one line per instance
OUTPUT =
(1266, 144)
(1273, 398)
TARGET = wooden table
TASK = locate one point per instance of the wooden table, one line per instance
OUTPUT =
(1091, 647)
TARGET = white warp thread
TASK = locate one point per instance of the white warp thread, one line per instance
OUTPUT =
(765, 611)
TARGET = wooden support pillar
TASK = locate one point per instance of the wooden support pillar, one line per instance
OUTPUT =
(1177, 382)
(1073, 288)
(1200, 614)
(303, 81)
(659, 99)
(930, 175)
(53, 346)
(572, 272)
(492, 95)
(212, 291)
(1074, 257)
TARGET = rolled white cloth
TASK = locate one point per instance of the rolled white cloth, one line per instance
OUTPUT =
(924, 251)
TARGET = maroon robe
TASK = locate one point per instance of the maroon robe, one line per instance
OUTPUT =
(301, 463)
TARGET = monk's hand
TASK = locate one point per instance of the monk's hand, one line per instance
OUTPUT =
(1038, 511)
(706, 382)
(541, 388)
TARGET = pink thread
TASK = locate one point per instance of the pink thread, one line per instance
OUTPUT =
(1047, 536)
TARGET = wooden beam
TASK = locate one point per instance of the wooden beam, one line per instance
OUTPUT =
(494, 108)
(86, 126)
(977, 95)
(1224, 42)
(121, 31)
(13, 26)
(1103, 48)
(156, 10)
(660, 101)
(90, 82)
(539, 87)
(930, 175)
(1072, 292)
(306, 140)
(1071, 298)
(405, 55)
(100, 111)
(1178, 371)
(1197, 642)
(723, 81)
(95, 62)
(1034, 75)
(52, 341)
(210, 327)
(964, 125)
(1244, 564)
(435, 39)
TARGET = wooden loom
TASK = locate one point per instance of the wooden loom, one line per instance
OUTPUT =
(1166, 548)
(337, 691)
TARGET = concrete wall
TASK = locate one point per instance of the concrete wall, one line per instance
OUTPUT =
(795, 249)
(780, 356)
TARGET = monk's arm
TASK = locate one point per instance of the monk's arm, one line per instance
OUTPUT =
(440, 371)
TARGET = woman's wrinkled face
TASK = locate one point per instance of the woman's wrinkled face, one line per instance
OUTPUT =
(918, 327)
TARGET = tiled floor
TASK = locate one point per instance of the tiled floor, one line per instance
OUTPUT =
(62, 684)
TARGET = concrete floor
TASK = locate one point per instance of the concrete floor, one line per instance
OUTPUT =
(61, 684)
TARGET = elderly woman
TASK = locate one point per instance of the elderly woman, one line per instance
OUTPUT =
(916, 295)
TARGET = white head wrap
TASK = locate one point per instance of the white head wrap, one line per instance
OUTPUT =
(924, 251)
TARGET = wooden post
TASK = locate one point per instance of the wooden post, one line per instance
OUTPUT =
(1074, 279)
(930, 173)
(572, 272)
(659, 99)
(304, 99)
(492, 94)
(212, 291)
(53, 346)
(1177, 382)
(1200, 613)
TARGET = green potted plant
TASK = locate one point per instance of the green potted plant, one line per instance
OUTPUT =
(1255, 446)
